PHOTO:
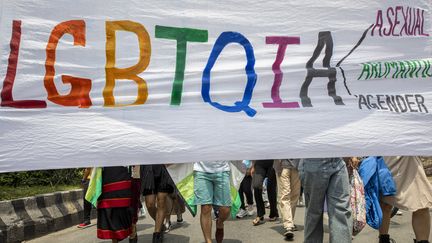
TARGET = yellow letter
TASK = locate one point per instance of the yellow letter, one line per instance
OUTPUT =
(131, 73)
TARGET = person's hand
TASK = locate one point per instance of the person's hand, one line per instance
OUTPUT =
(354, 162)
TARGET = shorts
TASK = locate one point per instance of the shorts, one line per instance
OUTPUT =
(212, 188)
(155, 179)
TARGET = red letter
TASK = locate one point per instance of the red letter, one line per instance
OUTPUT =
(6, 94)
(80, 90)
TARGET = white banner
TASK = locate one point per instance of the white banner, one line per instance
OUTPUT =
(110, 82)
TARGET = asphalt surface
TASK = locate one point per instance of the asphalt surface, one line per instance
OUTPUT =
(236, 230)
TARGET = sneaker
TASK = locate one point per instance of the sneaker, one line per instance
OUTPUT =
(168, 226)
(300, 202)
(250, 210)
(267, 205)
(241, 213)
(180, 221)
(289, 234)
(84, 225)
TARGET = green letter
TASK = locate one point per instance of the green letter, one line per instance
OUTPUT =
(182, 36)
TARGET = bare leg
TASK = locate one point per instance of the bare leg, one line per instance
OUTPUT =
(386, 209)
(161, 210)
(421, 224)
(133, 235)
(150, 201)
(224, 213)
(206, 222)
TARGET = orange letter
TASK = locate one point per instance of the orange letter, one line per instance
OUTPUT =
(80, 87)
(130, 73)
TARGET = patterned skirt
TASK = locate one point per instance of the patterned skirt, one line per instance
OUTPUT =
(114, 210)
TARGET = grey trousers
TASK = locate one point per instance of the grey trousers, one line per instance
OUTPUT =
(326, 179)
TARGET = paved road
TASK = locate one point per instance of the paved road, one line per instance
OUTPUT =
(236, 230)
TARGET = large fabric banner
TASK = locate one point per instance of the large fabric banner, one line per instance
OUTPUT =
(112, 82)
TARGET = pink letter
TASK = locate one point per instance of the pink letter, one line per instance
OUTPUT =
(283, 42)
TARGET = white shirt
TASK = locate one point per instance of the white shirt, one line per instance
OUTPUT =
(212, 166)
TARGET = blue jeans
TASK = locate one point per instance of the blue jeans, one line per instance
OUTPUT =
(321, 179)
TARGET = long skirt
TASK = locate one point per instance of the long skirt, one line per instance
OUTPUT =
(114, 210)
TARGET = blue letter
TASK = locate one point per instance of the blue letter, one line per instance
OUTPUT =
(224, 39)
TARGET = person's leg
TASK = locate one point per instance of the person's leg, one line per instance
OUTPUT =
(203, 192)
(222, 198)
(206, 222)
(87, 205)
(248, 190)
(150, 201)
(386, 210)
(295, 190)
(224, 213)
(284, 191)
(169, 209)
(241, 192)
(315, 182)
(421, 224)
(271, 192)
(161, 210)
(257, 181)
(338, 204)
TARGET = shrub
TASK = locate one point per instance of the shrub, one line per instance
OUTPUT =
(41, 178)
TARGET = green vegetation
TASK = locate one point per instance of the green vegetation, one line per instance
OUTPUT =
(9, 193)
(29, 183)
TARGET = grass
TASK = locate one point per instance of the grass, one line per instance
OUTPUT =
(9, 193)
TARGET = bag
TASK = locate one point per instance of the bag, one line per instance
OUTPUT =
(358, 203)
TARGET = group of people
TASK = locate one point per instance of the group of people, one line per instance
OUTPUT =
(325, 183)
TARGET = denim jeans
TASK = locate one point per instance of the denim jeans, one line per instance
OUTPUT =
(326, 179)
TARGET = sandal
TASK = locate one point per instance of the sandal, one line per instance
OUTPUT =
(258, 221)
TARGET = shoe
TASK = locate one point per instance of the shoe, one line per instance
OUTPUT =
(267, 205)
(294, 228)
(180, 219)
(168, 227)
(258, 220)
(157, 237)
(142, 213)
(84, 225)
(273, 219)
(250, 210)
(300, 203)
(219, 235)
(289, 234)
(241, 213)
(386, 239)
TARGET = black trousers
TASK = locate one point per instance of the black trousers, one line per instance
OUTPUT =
(87, 204)
(246, 189)
(263, 169)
